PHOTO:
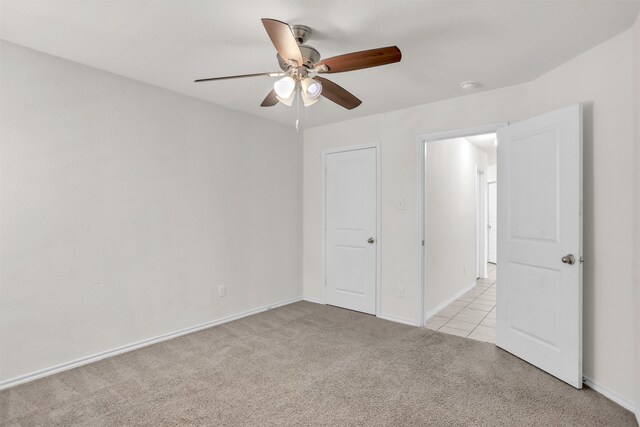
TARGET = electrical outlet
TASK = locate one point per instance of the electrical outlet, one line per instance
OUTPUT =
(222, 290)
(400, 291)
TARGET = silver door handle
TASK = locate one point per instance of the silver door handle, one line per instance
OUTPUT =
(371, 240)
(569, 259)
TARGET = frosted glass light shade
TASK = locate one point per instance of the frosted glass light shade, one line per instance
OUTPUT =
(312, 88)
(284, 87)
(307, 100)
(287, 101)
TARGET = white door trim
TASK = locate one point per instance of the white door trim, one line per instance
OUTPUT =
(491, 203)
(343, 149)
(481, 223)
(421, 144)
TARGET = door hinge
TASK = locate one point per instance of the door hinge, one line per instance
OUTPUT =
(422, 242)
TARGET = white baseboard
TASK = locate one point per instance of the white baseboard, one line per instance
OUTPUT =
(396, 319)
(380, 316)
(611, 396)
(448, 301)
(136, 345)
(313, 300)
(11, 382)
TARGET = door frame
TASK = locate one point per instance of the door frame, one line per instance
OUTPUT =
(343, 149)
(421, 243)
(481, 223)
(495, 182)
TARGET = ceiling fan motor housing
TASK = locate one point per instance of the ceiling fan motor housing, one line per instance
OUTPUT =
(301, 33)
(310, 57)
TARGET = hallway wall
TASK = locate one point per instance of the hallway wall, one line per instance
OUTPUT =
(450, 226)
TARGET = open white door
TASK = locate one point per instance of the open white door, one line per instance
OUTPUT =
(351, 215)
(539, 281)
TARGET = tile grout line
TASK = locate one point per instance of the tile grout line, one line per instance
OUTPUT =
(458, 312)
(471, 323)
(485, 316)
(467, 306)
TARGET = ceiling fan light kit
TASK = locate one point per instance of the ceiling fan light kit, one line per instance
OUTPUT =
(284, 87)
(301, 65)
(310, 91)
(311, 87)
(288, 101)
(307, 100)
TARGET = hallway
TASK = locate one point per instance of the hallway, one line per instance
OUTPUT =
(473, 315)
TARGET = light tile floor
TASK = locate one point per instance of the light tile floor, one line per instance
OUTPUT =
(473, 315)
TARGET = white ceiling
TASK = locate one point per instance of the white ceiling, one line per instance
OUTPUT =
(171, 43)
(485, 142)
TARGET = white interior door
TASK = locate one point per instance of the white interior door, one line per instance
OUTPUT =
(539, 282)
(492, 222)
(351, 211)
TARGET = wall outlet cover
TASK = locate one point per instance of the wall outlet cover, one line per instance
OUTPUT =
(222, 290)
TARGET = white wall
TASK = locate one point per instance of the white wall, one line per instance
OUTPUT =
(608, 202)
(124, 206)
(636, 67)
(450, 232)
(600, 78)
(492, 173)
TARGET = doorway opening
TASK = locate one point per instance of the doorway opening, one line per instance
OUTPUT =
(539, 253)
(458, 256)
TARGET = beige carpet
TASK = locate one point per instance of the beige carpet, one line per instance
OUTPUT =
(307, 364)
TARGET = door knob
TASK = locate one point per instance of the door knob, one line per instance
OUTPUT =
(569, 259)
(371, 240)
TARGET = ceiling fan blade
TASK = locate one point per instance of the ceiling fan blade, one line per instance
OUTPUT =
(270, 100)
(283, 39)
(240, 76)
(338, 94)
(363, 59)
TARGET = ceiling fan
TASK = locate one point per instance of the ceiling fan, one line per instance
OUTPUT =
(301, 65)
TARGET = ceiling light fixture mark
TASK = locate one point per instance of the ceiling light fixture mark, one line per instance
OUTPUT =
(469, 85)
